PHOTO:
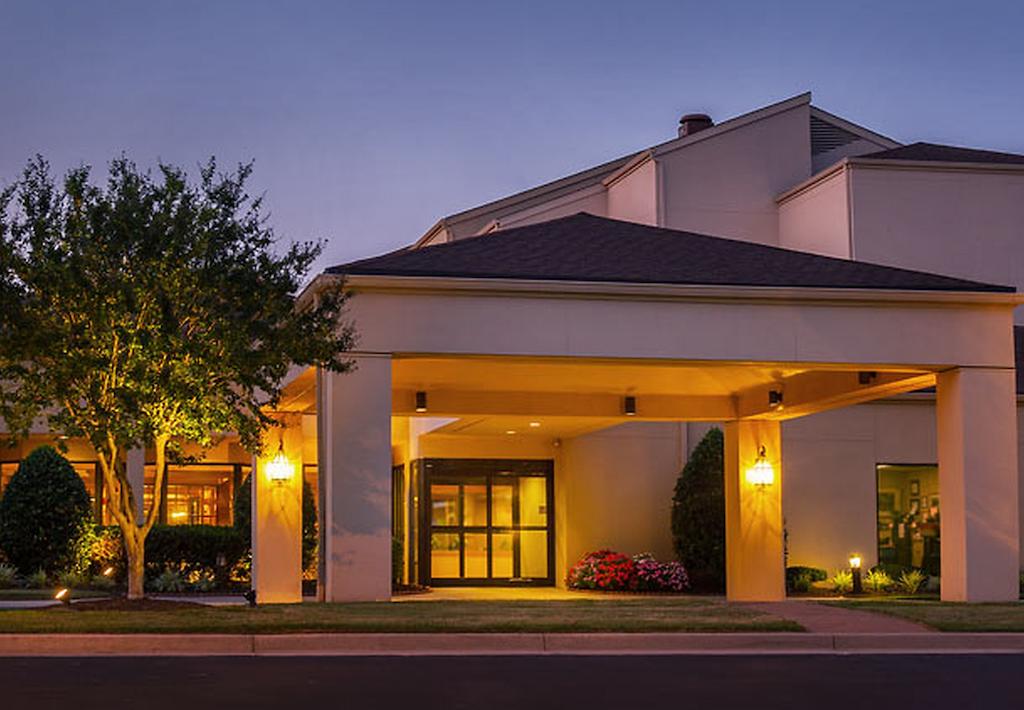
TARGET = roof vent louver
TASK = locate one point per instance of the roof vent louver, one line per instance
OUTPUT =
(826, 136)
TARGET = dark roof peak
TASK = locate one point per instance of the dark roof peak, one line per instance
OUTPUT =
(585, 247)
(934, 152)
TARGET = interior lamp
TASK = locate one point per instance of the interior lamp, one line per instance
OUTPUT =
(279, 468)
(761, 473)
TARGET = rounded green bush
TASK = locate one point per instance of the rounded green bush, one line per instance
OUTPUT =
(44, 515)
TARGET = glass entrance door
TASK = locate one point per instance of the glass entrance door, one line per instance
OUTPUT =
(489, 522)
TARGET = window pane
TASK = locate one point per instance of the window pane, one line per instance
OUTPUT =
(444, 555)
(501, 560)
(533, 554)
(474, 498)
(444, 501)
(476, 555)
(533, 501)
(908, 517)
(501, 505)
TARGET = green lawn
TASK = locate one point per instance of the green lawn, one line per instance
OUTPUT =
(948, 616)
(690, 614)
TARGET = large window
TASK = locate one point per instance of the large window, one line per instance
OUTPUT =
(196, 494)
(487, 522)
(908, 516)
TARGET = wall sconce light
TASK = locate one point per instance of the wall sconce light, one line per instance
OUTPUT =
(865, 377)
(421, 402)
(629, 405)
(774, 398)
(761, 473)
(855, 564)
(279, 468)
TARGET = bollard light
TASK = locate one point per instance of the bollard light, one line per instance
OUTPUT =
(855, 564)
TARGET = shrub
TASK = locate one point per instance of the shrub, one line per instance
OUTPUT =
(102, 583)
(911, 581)
(44, 514)
(73, 580)
(649, 575)
(8, 576)
(805, 576)
(698, 514)
(605, 570)
(310, 525)
(168, 581)
(201, 582)
(841, 582)
(877, 580)
(37, 580)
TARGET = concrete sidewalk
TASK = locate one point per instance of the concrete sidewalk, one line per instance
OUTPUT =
(397, 644)
(829, 619)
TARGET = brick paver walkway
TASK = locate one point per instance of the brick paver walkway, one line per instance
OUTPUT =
(828, 619)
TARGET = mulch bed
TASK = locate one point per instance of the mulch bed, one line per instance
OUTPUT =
(122, 604)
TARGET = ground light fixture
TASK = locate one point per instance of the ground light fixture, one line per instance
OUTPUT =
(250, 597)
(279, 468)
(629, 405)
(855, 563)
(761, 474)
(63, 595)
(421, 402)
(108, 572)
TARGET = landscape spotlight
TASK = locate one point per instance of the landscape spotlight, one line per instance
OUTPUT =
(63, 596)
(250, 597)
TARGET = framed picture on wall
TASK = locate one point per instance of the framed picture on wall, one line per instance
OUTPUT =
(915, 487)
(886, 501)
(914, 506)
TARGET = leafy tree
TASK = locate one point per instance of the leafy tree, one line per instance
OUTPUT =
(45, 514)
(151, 311)
(698, 514)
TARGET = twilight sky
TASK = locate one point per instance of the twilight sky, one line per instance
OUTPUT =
(368, 121)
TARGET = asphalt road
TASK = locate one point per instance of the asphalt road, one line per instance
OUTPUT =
(990, 682)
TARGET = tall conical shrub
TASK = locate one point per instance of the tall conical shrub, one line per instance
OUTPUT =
(698, 514)
(45, 513)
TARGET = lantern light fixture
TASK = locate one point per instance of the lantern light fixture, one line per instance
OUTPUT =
(761, 473)
(279, 468)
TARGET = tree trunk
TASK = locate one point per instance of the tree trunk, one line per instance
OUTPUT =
(136, 568)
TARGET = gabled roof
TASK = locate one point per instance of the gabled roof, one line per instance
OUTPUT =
(584, 247)
(933, 152)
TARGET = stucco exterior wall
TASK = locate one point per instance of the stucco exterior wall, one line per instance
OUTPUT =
(817, 220)
(726, 185)
(613, 489)
(955, 222)
(829, 486)
(634, 196)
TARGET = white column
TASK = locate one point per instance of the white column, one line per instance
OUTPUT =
(277, 517)
(135, 469)
(754, 564)
(978, 480)
(355, 476)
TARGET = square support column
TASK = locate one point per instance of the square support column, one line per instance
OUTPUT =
(355, 480)
(277, 517)
(977, 440)
(754, 564)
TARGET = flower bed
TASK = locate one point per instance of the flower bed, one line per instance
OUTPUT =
(610, 571)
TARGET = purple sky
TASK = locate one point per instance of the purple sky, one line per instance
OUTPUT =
(369, 121)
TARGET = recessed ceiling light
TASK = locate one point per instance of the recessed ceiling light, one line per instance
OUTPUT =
(534, 425)
(510, 431)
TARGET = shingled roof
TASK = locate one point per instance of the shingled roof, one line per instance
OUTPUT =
(933, 152)
(584, 247)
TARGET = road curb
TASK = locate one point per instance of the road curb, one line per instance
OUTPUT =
(470, 644)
